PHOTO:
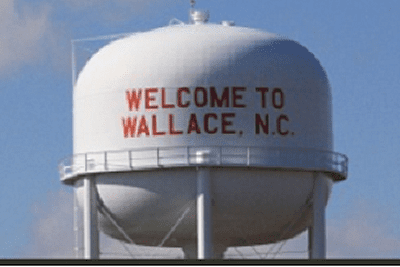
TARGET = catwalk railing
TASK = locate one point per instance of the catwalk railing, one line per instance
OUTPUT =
(300, 159)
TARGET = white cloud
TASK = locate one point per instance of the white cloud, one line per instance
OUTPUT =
(32, 33)
(52, 234)
(51, 231)
(366, 232)
(21, 34)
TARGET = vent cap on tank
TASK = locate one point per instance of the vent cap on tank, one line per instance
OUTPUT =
(199, 16)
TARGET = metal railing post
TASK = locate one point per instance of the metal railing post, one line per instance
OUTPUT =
(220, 155)
(158, 156)
(130, 159)
(105, 161)
(248, 156)
(187, 155)
(86, 168)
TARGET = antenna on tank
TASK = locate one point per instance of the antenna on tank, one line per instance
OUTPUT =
(197, 16)
(191, 11)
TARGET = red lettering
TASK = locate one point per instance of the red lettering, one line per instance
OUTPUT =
(207, 123)
(171, 125)
(163, 105)
(129, 126)
(179, 96)
(149, 98)
(193, 126)
(143, 128)
(133, 99)
(263, 91)
(278, 124)
(219, 102)
(154, 126)
(277, 92)
(226, 123)
(196, 97)
(237, 97)
(260, 122)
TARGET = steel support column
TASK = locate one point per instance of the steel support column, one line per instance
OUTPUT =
(76, 224)
(90, 229)
(204, 214)
(316, 232)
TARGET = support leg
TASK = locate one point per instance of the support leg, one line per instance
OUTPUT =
(316, 232)
(204, 215)
(76, 225)
(90, 229)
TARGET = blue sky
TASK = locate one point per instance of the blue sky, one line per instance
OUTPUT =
(355, 41)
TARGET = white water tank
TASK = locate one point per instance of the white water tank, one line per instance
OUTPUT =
(255, 107)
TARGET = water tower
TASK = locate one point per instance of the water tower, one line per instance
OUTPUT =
(224, 129)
